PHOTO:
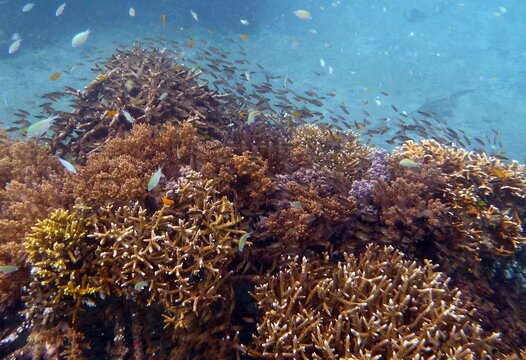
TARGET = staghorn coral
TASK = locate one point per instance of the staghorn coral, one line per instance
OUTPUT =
(376, 306)
(334, 149)
(181, 253)
(486, 197)
(136, 86)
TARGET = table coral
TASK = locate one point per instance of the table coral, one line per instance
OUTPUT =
(376, 306)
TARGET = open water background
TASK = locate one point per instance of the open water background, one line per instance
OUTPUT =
(418, 51)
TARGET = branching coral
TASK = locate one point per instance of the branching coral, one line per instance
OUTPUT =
(245, 178)
(486, 197)
(31, 187)
(118, 173)
(181, 254)
(376, 306)
(410, 205)
(310, 216)
(269, 141)
(63, 276)
(334, 149)
(136, 86)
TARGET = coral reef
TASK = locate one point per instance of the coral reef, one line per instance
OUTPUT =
(31, 187)
(376, 306)
(336, 150)
(62, 277)
(261, 236)
(486, 196)
(136, 86)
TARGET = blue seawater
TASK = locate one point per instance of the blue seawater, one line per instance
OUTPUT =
(462, 61)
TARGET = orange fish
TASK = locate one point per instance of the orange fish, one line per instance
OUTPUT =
(501, 174)
(163, 19)
(112, 113)
(191, 43)
(244, 36)
(55, 76)
(166, 201)
(101, 77)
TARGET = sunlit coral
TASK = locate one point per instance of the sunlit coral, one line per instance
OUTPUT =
(376, 306)
(181, 253)
(62, 276)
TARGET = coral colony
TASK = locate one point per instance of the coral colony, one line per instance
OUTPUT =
(154, 221)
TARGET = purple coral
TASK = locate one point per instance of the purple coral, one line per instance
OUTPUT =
(316, 178)
(363, 190)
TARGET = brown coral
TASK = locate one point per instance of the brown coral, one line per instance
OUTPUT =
(136, 86)
(485, 196)
(180, 255)
(119, 171)
(331, 148)
(376, 306)
(31, 188)
(310, 216)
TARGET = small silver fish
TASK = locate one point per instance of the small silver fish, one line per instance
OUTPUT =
(296, 204)
(7, 269)
(69, 166)
(140, 285)
(40, 127)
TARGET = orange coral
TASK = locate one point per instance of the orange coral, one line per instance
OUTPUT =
(119, 171)
(31, 188)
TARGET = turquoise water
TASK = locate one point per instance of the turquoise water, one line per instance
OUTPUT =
(419, 53)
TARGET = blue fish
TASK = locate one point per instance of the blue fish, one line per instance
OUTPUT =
(69, 166)
(40, 127)
(154, 179)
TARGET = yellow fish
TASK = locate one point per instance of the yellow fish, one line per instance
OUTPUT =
(166, 201)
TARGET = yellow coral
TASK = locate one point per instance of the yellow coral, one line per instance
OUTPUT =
(61, 256)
